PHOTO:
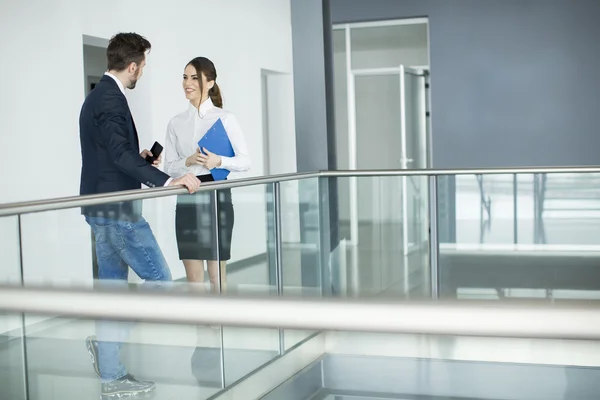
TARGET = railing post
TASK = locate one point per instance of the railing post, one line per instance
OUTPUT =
(217, 244)
(324, 236)
(23, 316)
(515, 210)
(433, 237)
(278, 253)
(217, 236)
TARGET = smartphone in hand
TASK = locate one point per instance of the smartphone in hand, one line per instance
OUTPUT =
(156, 150)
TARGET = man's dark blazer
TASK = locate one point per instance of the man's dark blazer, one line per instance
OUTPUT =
(110, 152)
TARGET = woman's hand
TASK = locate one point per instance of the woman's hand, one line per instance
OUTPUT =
(209, 160)
(194, 159)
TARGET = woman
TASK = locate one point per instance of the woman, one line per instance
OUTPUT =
(195, 217)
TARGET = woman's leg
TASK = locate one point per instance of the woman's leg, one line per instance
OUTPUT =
(194, 271)
(213, 274)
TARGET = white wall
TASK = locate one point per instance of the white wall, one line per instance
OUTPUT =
(42, 82)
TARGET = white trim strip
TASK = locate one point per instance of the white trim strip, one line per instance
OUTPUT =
(379, 24)
(376, 71)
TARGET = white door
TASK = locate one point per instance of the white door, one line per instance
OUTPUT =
(387, 130)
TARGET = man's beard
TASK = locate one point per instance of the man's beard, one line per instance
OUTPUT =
(134, 81)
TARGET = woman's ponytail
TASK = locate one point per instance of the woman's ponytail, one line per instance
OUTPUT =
(215, 95)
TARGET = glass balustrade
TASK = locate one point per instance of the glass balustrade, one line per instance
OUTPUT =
(505, 236)
(396, 235)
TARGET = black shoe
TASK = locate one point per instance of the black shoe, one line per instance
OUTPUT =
(125, 387)
(92, 347)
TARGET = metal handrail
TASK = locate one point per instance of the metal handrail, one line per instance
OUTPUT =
(465, 171)
(141, 194)
(61, 203)
(577, 320)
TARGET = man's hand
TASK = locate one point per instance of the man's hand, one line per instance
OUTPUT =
(189, 181)
(145, 153)
(210, 160)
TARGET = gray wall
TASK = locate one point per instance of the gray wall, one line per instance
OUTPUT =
(513, 82)
(313, 85)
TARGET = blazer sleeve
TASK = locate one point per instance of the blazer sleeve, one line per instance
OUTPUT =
(114, 128)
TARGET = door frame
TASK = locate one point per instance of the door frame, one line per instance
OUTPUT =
(351, 75)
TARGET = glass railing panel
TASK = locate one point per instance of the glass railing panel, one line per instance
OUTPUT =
(367, 366)
(58, 363)
(147, 240)
(12, 361)
(172, 361)
(10, 270)
(245, 229)
(302, 252)
(301, 232)
(10, 258)
(519, 235)
(148, 245)
(384, 239)
(246, 232)
(114, 243)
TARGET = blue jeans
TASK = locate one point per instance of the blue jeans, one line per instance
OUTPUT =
(120, 245)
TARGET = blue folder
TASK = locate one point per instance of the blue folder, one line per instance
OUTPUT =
(216, 141)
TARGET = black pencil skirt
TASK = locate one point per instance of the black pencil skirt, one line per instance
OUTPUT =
(195, 224)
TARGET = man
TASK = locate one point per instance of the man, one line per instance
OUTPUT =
(111, 161)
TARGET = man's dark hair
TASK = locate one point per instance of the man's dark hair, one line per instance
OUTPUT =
(125, 48)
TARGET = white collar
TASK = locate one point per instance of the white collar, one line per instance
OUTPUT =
(119, 83)
(204, 108)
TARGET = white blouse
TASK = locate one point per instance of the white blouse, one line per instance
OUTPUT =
(187, 128)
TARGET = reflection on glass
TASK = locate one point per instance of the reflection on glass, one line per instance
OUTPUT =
(245, 350)
(181, 360)
(139, 244)
(12, 361)
(302, 256)
(186, 362)
(519, 236)
(248, 267)
(385, 240)
(10, 259)
(436, 366)
(197, 240)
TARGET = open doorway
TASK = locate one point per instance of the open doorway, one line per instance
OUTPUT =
(279, 134)
(94, 61)
(382, 81)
